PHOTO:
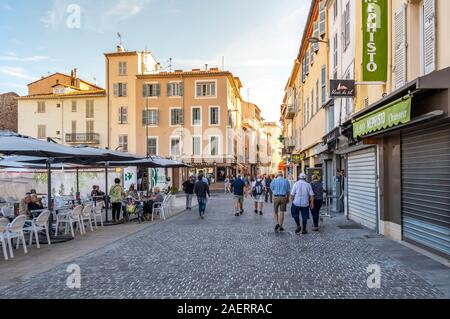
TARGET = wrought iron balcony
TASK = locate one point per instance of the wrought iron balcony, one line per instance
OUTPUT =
(85, 138)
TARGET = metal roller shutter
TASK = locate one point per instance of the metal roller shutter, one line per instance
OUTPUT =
(426, 187)
(362, 190)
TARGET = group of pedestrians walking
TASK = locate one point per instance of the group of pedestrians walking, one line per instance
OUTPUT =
(306, 198)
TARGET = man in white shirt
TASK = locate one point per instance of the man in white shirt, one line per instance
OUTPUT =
(302, 200)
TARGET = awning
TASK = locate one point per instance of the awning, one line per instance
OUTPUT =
(392, 114)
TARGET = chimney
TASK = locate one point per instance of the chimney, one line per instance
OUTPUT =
(206, 67)
(120, 48)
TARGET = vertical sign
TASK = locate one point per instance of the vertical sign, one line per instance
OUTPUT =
(157, 178)
(129, 177)
(375, 40)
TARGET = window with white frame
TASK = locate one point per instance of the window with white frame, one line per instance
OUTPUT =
(335, 10)
(123, 115)
(151, 90)
(214, 115)
(41, 106)
(196, 145)
(346, 26)
(41, 131)
(74, 106)
(152, 146)
(400, 47)
(307, 110)
(122, 68)
(120, 89)
(89, 126)
(324, 84)
(322, 18)
(196, 116)
(123, 143)
(214, 145)
(316, 33)
(89, 109)
(176, 116)
(175, 89)
(175, 146)
(317, 96)
(206, 89)
(335, 55)
(150, 117)
(428, 37)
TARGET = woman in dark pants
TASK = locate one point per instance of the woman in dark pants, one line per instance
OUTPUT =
(116, 193)
(317, 187)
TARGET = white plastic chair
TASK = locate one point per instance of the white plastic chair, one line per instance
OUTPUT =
(7, 211)
(15, 230)
(97, 213)
(37, 225)
(69, 219)
(161, 208)
(86, 216)
(4, 239)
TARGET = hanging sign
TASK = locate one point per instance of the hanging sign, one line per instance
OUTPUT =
(375, 40)
(342, 88)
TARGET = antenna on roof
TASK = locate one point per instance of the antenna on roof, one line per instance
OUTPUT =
(120, 38)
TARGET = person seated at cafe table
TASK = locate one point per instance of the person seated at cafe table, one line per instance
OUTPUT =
(23, 205)
(132, 192)
(35, 203)
(155, 197)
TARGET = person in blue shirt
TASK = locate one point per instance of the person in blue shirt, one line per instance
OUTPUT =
(280, 188)
(239, 189)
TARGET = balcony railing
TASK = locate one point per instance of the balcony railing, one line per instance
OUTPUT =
(87, 138)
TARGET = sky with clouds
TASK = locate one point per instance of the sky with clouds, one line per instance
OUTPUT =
(258, 38)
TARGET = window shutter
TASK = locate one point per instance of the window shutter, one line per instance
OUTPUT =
(181, 89)
(156, 117)
(400, 47)
(181, 117)
(315, 46)
(158, 89)
(116, 89)
(322, 19)
(429, 35)
(169, 89)
(124, 89)
(306, 63)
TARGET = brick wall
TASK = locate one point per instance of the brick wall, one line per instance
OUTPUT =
(8, 111)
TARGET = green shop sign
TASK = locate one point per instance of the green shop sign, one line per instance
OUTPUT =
(375, 40)
(395, 113)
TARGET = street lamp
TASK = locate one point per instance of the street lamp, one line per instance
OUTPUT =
(313, 40)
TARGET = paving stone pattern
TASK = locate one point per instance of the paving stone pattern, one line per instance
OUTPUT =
(224, 256)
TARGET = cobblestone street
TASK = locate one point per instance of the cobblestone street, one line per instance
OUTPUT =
(224, 256)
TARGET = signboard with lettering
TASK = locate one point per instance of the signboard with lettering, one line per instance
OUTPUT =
(342, 88)
(375, 40)
(395, 113)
